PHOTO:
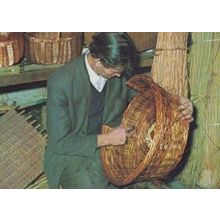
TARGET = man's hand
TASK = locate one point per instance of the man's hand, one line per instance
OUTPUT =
(117, 136)
(186, 109)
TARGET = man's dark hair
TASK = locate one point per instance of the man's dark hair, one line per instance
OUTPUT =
(114, 49)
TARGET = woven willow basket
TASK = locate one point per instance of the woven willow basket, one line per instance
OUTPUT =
(159, 140)
(52, 47)
(11, 48)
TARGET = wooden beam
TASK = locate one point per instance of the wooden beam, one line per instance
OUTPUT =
(27, 77)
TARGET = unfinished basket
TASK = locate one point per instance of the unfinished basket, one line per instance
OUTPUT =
(52, 47)
(21, 150)
(11, 48)
(159, 141)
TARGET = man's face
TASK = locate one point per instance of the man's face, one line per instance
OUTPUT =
(109, 72)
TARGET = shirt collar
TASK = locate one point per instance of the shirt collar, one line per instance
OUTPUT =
(97, 81)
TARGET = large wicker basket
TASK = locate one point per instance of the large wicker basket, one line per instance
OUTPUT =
(52, 47)
(159, 141)
(11, 48)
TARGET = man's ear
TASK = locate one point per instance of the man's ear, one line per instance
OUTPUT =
(98, 62)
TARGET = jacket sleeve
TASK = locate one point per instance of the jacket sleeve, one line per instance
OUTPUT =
(61, 138)
(131, 94)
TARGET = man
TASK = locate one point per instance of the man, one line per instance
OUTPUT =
(82, 95)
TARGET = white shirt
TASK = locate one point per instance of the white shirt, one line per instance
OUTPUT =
(97, 81)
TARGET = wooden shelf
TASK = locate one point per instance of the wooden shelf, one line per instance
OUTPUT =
(20, 75)
(17, 74)
(34, 76)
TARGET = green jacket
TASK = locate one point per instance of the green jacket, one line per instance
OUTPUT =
(67, 115)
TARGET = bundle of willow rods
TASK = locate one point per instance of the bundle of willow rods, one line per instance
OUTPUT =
(203, 166)
(169, 67)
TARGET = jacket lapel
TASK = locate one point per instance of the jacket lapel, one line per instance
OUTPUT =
(115, 102)
(81, 97)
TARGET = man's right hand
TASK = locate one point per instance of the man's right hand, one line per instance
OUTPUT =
(117, 136)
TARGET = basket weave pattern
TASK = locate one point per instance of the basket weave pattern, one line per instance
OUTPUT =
(21, 151)
(159, 140)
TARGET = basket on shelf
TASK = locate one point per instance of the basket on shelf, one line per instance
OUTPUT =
(52, 47)
(159, 137)
(11, 48)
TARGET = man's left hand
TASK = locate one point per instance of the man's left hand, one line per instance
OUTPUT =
(186, 109)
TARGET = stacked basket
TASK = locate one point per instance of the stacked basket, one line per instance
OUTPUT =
(159, 140)
(53, 47)
(11, 48)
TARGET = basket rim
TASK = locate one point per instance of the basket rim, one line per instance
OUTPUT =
(51, 39)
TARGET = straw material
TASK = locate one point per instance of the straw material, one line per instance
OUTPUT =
(39, 183)
(21, 150)
(159, 140)
(11, 48)
(169, 67)
(53, 47)
(203, 166)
